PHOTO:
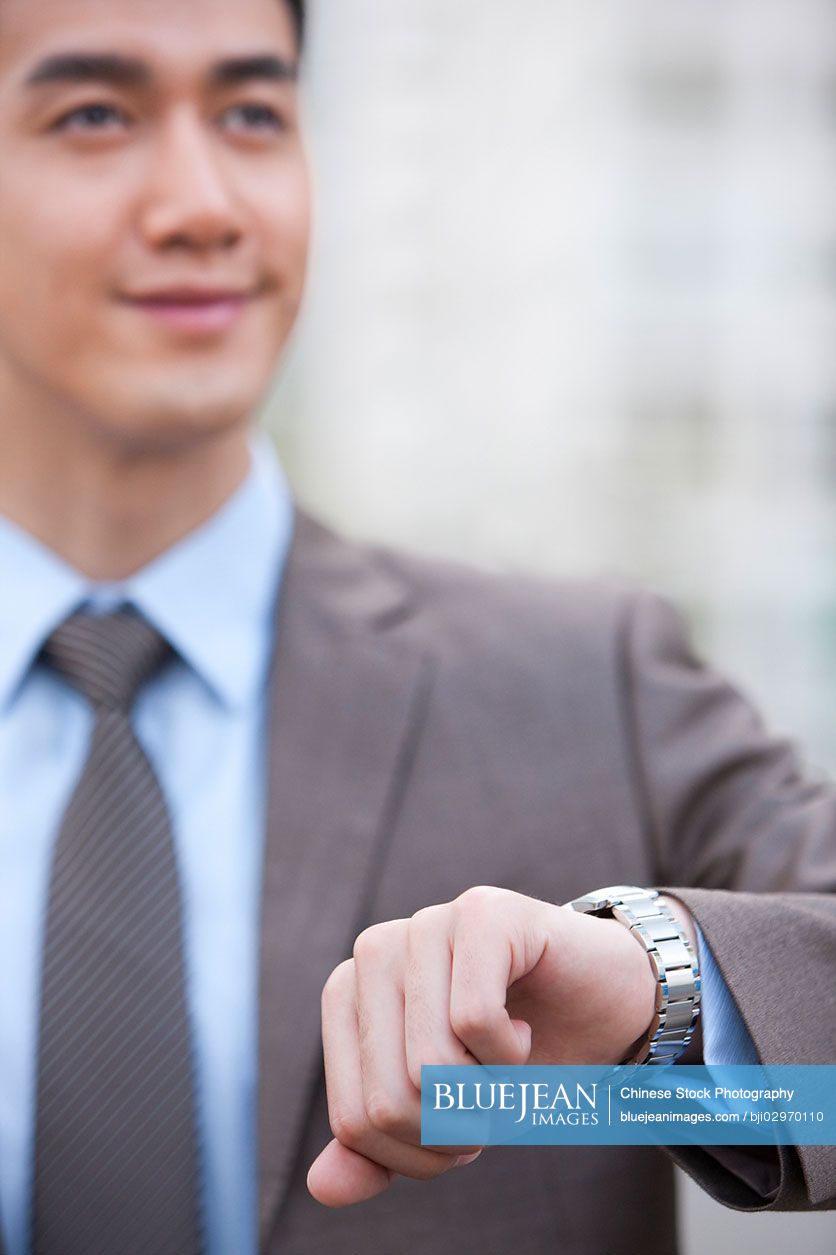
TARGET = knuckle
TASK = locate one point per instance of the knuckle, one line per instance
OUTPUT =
(480, 898)
(339, 980)
(384, 1114)
(378, 942)
(367, 947)
(427, 918)
(448, 1053)
(473, 1018)
(348, 1126)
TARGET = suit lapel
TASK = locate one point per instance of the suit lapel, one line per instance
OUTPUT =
(346, 695)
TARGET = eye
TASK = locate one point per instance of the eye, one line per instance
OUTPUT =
(95, 116)
(257, 118)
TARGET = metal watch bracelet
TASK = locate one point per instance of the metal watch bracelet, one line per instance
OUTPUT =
(672, 959)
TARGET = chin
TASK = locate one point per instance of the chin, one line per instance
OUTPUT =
(168, 432)
(170, 419)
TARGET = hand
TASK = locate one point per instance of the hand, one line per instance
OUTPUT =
(493, 978)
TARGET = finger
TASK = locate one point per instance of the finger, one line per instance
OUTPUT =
(392, 1101)
(483, 962)
(429, 1037)
(346, 1106)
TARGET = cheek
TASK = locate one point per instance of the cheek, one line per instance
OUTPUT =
(53, 214)
(28, 293)
(286, 223)
(46, 325)
(53, 264)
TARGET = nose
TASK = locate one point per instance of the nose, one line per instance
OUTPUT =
(188, 200)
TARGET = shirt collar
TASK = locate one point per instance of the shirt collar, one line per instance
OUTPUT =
(39, 592)
(212, 595)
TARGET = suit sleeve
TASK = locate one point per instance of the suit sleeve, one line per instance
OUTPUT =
(747, 841)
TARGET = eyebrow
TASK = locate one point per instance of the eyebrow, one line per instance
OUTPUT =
(128, 72)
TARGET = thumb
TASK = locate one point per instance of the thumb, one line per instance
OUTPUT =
(339, 1177)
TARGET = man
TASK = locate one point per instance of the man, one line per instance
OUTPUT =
(193, 835)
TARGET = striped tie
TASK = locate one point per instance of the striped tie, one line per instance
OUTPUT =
(116, 1159)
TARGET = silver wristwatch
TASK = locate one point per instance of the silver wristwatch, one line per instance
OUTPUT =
(672, 958)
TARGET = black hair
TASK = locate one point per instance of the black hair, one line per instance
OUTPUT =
(297, 9)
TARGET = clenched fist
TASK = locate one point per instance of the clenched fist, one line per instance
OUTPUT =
(494, 978)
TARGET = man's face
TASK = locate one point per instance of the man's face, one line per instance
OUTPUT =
(154, 210)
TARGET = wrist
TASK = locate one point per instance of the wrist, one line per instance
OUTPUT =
(669, 942)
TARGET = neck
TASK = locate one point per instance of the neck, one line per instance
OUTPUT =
(107, 509)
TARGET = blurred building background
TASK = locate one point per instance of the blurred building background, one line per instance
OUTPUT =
(573, 309)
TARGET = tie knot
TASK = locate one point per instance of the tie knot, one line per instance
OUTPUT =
(107, 658)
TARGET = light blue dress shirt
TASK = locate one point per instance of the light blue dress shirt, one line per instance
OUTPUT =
(203, 725)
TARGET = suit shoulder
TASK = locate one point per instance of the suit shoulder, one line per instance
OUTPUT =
(460, 610)
(478, 610)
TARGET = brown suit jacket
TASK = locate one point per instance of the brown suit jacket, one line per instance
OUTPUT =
(434, 728)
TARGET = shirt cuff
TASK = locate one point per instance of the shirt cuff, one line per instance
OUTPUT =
(725, 1038)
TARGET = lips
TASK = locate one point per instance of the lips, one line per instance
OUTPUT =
(193, 310)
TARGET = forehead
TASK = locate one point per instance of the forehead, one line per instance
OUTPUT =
(168, 32)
